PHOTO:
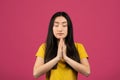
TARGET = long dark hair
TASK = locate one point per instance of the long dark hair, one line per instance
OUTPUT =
(51, 41)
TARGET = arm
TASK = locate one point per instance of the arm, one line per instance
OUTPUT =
(40, 68)
(82, 67)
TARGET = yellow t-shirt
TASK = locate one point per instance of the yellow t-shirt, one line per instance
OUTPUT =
(62, 72)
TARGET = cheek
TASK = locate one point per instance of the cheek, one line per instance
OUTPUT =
(66, 31)
(54, 30)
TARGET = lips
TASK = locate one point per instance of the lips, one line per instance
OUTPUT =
(60, 34)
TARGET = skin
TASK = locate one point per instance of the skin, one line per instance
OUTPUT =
(60, 30)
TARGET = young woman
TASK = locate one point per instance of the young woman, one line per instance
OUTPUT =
(60, 57)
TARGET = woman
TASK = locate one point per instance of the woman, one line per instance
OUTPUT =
(60, 57)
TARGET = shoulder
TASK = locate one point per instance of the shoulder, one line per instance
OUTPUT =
(78, 44)
(42, 45)
(81, 50)
(41, 50)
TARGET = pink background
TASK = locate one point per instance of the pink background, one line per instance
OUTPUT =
(24, 24)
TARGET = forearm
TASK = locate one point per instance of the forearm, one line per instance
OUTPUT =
(83, 69)
(45, 67)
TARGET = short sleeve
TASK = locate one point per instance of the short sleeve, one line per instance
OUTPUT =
(41, 51)
(81, 50)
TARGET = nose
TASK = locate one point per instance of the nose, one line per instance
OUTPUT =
(60, 28)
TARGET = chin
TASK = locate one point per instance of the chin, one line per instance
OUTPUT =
(60, 37)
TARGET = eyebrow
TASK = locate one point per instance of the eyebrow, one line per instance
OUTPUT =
(56, 22)
(62, 22)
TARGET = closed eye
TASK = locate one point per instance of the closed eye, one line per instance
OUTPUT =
(64, 25)
(56, 25)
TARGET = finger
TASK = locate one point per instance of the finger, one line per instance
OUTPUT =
(61, 42)
(64, 47)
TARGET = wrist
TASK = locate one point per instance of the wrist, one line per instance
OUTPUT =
(58, 58)
(66, 58)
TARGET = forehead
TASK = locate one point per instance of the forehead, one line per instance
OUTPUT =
(60, 19)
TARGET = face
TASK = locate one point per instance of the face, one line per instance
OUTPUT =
(60, 27)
